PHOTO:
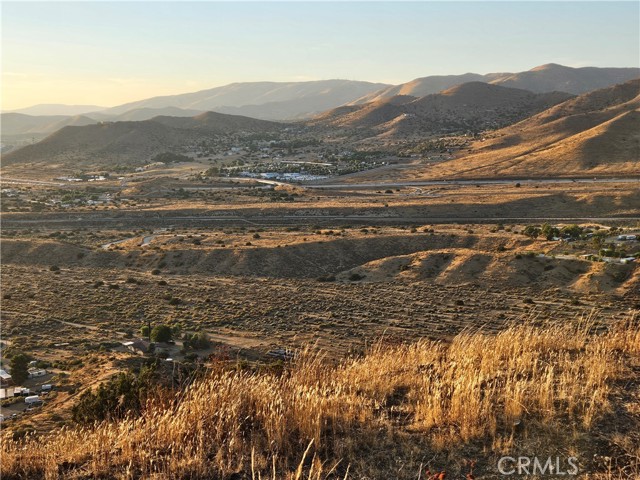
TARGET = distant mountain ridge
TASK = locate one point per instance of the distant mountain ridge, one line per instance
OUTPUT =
(57, 109)
(290, 99)
(19, 123)
(542, 79)
(38, 125)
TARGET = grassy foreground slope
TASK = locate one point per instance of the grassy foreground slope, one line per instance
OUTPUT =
(533, 389)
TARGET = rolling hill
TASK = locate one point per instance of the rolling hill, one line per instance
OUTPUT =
(218, 123)
(472, 106)
(597, 133)
(541, 79)
(107, 143)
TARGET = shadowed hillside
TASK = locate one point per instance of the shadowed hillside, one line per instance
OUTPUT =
(442, 259)
(132, 142)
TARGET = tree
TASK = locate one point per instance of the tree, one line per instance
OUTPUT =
(19, 368)
(549, 232)
(161, 333)
(574, 231)
(144, 331)
(598, 239)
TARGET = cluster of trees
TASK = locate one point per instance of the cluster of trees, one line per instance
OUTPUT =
(159, 333)
(166, 333)
(549, 231)
(196, 341)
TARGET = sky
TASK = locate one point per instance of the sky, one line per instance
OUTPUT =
(109, 53)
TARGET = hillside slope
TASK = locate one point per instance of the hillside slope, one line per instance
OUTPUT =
(218, 123)
(553, 77)
(100, 144)
(594, 134)
(472, 106)
(107, 143)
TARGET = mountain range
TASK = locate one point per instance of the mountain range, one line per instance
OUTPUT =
(545, 78)
(300, 100)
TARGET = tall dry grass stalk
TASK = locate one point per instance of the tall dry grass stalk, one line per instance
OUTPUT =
(477, 387)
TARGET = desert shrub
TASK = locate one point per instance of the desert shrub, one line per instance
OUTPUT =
(326, 278)
(122, 395)
(531, 231)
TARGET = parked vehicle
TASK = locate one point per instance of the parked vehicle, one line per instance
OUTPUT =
(32, 400)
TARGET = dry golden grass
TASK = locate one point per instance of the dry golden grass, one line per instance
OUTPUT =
(509, 392)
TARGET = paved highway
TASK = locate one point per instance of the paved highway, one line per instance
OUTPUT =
(75, 221)
(425, 183)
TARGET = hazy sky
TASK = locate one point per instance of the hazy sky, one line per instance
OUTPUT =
(109, 53)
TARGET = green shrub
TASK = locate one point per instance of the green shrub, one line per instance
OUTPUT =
(161, 333)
